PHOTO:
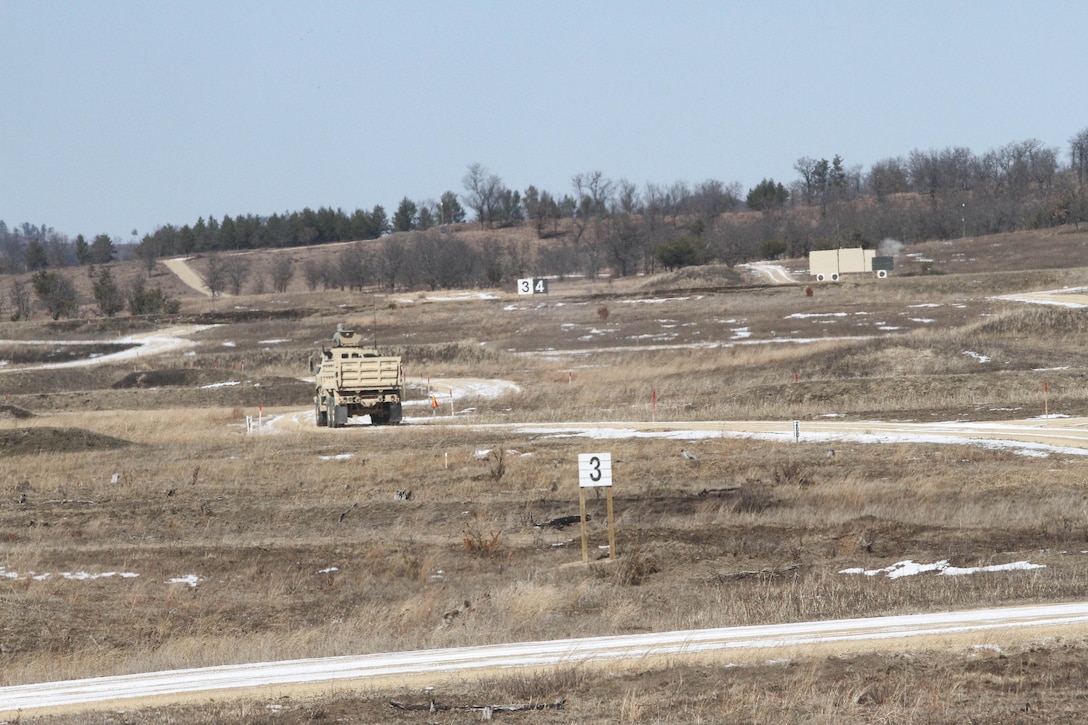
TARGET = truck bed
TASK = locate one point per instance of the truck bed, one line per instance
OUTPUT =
(358, 374)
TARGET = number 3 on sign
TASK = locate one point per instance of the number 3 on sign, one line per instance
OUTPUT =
(594, 469)
(525, 286)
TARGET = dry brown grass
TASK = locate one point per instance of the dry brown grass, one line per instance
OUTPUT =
(302, 550)
(260, 540)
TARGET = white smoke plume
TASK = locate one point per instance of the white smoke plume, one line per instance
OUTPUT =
(890, 247)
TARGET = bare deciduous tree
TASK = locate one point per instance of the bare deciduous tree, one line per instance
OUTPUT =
(1078, 154)
(236, 269)
(483, 195)
(283, 268)
(711, 198)
(20, 301)
(352, 263)
(215, 276)
(887, 177)
(311, 270)
(391, 261)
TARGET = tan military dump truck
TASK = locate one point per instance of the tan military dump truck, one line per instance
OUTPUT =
(352, 380)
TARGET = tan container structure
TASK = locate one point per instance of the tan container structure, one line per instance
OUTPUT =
(830, 264)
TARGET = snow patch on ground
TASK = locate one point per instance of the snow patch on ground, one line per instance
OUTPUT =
(660, 336)
(939, 433)
(69, 575)
(459, 297)
(658, 300)
(595, 331)
(911, 568)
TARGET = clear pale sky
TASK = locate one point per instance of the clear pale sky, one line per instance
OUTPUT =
(120, 115)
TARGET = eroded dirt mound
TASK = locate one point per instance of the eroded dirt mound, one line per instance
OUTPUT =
(176, 377)
(23, 441)
(156, 390)
(13, 411)
(47, 354)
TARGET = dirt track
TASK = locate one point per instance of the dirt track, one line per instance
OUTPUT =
(1067, 434)
(731, 643)
(776, 273)
(187, 275)
(1060, 297)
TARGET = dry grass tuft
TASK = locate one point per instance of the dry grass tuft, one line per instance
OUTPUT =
(481, 538)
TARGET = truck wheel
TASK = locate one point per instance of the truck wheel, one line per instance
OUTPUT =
(393, 414)
(320, 416)
(335, 413)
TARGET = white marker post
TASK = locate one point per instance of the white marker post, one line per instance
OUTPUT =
(595, 471)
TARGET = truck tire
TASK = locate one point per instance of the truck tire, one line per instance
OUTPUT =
(320, 416)
(336, 412)
(393, 414)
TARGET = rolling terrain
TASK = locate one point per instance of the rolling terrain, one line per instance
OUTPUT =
(144, 527)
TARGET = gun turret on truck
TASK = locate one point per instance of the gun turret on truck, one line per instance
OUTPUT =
(353, 381)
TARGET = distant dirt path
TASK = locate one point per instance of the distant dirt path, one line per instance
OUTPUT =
(776, 272)
(1032, 436)
(144, 344)
(1054, 434)
(1071, 297)
(187, 274)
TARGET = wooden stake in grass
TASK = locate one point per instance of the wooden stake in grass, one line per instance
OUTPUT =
(595, 471)
(1046, 399)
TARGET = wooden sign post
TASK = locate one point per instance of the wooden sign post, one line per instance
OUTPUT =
(595, 471)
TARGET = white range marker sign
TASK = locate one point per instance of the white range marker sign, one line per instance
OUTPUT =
(594, 469)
